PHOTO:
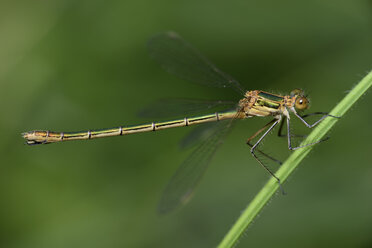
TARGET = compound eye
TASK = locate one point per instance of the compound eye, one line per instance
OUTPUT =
(301, 103)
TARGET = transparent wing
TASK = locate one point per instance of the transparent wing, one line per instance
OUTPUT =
(174, 107)
(181, 186)
(198, 134)
(178, 57)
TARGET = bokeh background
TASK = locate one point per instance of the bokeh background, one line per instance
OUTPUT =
(76, 65)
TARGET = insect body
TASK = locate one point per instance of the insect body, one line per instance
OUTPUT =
(180, 58)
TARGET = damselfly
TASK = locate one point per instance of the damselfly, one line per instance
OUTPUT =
(180, 58)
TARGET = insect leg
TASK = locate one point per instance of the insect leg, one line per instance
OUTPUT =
(297, 147)
(316, 113)
(255, 135)
(271, 125)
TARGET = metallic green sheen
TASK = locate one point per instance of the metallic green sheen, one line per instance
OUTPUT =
(270, 96)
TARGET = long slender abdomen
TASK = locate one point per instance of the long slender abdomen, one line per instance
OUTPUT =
(46, 137)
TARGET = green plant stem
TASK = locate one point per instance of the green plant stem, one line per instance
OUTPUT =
(292, 162)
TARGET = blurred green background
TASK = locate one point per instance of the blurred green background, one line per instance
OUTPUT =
(77, 65)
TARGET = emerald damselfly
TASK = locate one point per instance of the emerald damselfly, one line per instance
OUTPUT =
(180, 58)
